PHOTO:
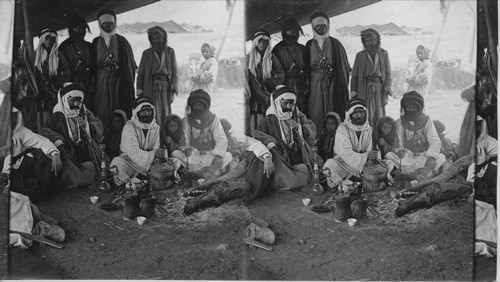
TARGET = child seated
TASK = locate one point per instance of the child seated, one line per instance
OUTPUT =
(171, 133)
(448, 149)
(326, 140)
(387, 135)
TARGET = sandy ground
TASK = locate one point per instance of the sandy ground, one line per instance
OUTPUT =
(309, 246)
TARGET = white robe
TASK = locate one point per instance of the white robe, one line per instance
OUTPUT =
(411, 160)
(208, 74)
(422, 78)
(138, 151)
(197, 159)
(351, 154)
(23, 138)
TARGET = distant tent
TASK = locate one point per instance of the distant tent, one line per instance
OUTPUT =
(385, 29)
(170, 27)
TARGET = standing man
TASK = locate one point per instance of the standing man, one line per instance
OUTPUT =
(329, 72)
(157, 77)
(206, 76)
(293, 58)
(116, 66)
(77, 53)
(264, 74)
(371, 75)
(52, 71)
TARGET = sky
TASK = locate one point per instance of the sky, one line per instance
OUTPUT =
(424, 13)
(209, 14)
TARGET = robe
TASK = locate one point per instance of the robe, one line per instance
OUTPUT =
(293, 58)
(290, 173)
(200, 158)
(49, 85)
(79, 60)
(114, 89)
(208, 74)
(427, 142)
(30, 162)
(329, 90)
(421, 78)
(352, 154)
(161, 91)
(82, 161)
(260, 90)
(486, 146)
(375, 94)
(138, 151)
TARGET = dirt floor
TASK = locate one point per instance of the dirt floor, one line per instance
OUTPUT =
(309, 246)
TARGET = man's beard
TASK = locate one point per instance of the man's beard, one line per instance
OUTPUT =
(359, 121)
(77, 35)
(411, 115)
(287, 110)
(291, 38)
(146, 119)
(72, 107)
(158, 46)
(198, 113)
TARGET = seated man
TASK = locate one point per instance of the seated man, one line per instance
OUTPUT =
(140, 144)
(419, 143)
(204, 142)
(485, 184)
(76, 132)
(34, 162)
(353, 144)
(287, 133)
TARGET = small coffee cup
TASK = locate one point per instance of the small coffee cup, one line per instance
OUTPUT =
(141, 220)
(306, 201)
(94, 199)
(352, 222)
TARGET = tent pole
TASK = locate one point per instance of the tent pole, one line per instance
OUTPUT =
(436, 47)
(492, 48)
(27, 32)
(225, 33)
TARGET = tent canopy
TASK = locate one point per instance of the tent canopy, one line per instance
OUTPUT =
(57, 13)
(271, 14)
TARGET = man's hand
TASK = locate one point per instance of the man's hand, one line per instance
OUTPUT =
(160, 153)
(168, 139)
(430, 163)
(268, 166)
(58, 143)
(217, 161)
(81, 122)
(381, 141)
(401, 153)
(56, 163)
(187, 151)
(293, 124)
(271, 145)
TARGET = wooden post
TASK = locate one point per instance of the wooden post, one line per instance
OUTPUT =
(227, 28)
(492, 48)
(27, 32)
(436, 47)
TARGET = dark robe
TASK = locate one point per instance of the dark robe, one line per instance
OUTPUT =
(49, 85)
(293, 59)
(81, 162)
(261, 89)
(115, 89)
(329, 89)
(79, 59)
(158, 81)
(293, 169)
